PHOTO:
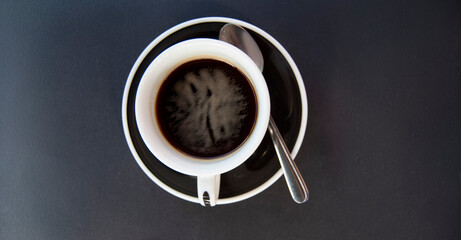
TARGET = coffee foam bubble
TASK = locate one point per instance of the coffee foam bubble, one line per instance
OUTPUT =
(207, 109)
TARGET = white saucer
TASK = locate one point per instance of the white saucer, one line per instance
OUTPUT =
(289, 110)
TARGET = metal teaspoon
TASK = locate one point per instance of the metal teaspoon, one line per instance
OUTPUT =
(240, 38)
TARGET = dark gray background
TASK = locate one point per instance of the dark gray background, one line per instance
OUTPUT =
(382, 150)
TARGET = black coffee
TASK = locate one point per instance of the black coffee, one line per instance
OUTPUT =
(206, 108)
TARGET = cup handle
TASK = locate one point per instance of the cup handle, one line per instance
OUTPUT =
(208, 189)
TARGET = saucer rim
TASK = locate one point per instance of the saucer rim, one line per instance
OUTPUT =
(275, 43)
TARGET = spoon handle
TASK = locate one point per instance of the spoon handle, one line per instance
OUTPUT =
(294, 180)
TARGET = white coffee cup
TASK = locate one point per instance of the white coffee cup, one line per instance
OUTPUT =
(207, 170)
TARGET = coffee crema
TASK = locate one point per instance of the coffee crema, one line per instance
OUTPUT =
(206, 108)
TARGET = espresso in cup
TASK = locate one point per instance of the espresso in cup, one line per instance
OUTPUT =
(202, 108)
(206, 108)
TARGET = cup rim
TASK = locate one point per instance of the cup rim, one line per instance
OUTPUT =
(157, 72)
(159, 39)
